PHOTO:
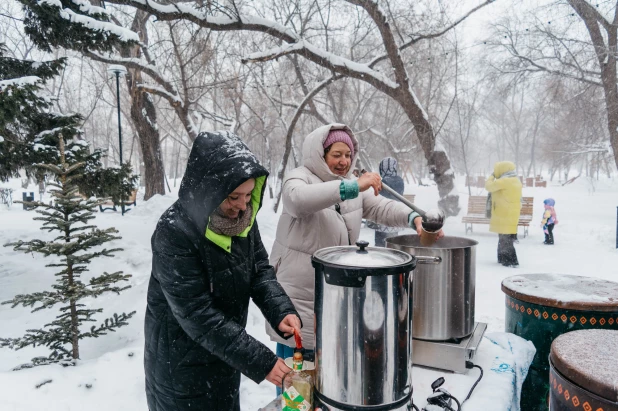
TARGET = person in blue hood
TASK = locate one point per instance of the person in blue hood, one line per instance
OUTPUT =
(388, 172)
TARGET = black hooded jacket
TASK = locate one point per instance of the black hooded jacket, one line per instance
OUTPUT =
(388, 172)
(199, 291)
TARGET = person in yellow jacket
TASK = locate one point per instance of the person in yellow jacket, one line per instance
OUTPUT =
(505, 189)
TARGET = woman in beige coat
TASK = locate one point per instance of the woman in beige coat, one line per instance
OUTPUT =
(323, 205)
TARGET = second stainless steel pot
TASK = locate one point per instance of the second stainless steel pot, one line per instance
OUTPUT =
(443, 293)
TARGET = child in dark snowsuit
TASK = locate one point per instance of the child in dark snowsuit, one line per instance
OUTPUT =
(549, 220)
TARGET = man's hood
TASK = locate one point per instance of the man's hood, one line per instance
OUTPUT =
(219, 162)
(388, 167)
(313, 152)
(502, 167)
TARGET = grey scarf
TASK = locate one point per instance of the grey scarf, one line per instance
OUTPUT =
(511, 173)
(221, 224)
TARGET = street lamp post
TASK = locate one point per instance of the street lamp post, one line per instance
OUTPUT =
(119, 70)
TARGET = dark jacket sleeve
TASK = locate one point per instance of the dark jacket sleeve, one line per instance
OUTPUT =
(394, 182)
(266, 291)
(186, 285)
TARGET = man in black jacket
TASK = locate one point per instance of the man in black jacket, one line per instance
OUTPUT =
(208, 261)
(388, 172)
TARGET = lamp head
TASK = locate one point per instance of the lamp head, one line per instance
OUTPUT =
(117, 69)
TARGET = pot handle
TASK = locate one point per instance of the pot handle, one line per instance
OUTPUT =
(424, 259)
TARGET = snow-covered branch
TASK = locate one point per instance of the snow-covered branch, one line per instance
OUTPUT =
(390, 44)
(586, 150)
(388, 141)
(137, 64)
(419, 37)
(92, 23)
(20, 82)
(531, 65)
(226, 121)
(330, 61)
(254, 23)
(173, 99)
(178, 11)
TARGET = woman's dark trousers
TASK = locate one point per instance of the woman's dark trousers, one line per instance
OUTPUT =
(506, 250)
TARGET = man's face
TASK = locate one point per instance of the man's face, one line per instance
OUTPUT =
(238, 199)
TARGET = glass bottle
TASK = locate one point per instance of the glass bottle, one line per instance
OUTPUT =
(297, 387)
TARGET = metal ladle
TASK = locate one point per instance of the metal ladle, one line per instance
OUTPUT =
(433, 220)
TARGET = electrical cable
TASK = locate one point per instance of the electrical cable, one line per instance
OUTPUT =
(469, 364)
(458, 404)
(440, 381)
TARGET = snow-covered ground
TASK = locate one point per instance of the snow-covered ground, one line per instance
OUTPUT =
(110, 373)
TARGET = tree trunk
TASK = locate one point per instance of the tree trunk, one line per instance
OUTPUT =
(437, 160)
(69, 272)
(268, 165)
(144, 117)
(606, 56)
(176, 168)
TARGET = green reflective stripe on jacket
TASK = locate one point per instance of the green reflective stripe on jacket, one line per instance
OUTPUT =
(225, 241)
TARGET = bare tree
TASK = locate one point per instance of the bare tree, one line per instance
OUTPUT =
(557, 49)
(395, 84)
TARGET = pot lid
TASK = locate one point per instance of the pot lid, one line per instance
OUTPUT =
(363, 256)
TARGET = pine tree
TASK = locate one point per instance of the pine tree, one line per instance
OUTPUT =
(29, 128)
(29, 132)
(73, 24)
(23, 107)
(69, 216)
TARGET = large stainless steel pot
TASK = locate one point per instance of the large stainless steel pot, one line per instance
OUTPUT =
(443, 294)
(362, 314)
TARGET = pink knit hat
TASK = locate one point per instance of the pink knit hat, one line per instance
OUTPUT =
(339, 136)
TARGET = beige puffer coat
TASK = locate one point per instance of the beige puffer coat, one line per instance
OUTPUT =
(310, 222)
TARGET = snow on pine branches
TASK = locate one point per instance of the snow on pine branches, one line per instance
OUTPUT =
(68, 216)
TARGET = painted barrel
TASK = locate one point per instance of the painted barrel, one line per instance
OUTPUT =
(540, 307)
(584, 371)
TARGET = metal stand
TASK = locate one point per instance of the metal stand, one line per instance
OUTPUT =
(118, 71)
(119, 129)
(448, 356)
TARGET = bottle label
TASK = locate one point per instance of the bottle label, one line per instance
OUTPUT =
(298, 365)
(292, 400)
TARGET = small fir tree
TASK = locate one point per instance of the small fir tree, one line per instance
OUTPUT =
(69, 216)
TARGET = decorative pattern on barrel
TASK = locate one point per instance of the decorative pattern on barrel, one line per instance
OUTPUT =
(583, 374)
(565, 396)
(541, 307)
